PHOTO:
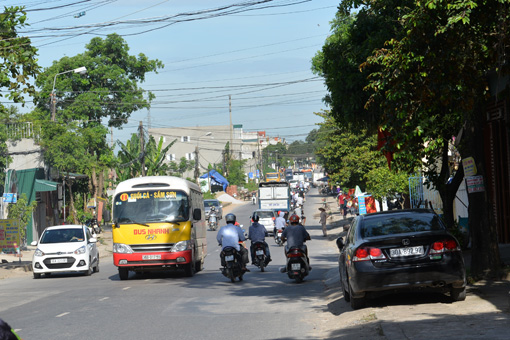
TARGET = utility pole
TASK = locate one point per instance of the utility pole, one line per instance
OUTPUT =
(196, 164)
(231, 126)
(142, 148)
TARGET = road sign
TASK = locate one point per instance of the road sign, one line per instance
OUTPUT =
(10, 197)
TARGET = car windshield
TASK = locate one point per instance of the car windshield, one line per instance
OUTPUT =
(264, 214)
(151, 206)
(208, 204)
(382, 225)
(62, 235)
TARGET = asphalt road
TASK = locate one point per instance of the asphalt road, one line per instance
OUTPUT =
(169, 305)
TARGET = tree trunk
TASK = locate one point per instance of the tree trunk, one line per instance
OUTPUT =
(72, 209)
(485, 258)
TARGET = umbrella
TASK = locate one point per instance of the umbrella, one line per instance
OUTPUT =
(323, 179)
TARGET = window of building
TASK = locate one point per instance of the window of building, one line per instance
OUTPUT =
(185, 139)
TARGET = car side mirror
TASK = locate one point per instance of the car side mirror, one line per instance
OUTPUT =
(340, 243)
(197, 214)
(34, 243)
(93, 240)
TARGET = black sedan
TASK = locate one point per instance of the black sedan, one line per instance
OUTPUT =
(390, 251)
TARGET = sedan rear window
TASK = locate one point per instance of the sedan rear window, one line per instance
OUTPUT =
(383, 225)
(265, 214)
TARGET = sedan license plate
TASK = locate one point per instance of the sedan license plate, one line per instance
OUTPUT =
(409, 251)
(58, 261)
(229, 258)
(295, 266)
(151, 257)
(259, 252)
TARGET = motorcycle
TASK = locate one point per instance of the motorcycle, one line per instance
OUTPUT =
(297, 264)
(93, 226)
(260, 259)
(213, 221)
(278, 237)
(230, 260)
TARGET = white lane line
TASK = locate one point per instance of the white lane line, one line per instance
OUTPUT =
(126, 288)
(105, 298)
(61, 315)
(17, 330)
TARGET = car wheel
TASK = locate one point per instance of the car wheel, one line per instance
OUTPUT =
(37, 276)
(356, 303)
(347, 296)
(123, 273)
(458, 294)
(88, 272)
(198, 266)
(96, 268)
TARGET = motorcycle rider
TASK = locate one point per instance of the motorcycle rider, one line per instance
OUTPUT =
(231, 235)
(279, 222)
(257, 233)
(296, 235)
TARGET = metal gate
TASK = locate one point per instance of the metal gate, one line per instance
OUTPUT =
(420, 195)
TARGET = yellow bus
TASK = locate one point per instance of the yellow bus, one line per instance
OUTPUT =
(158, 223)
(273, 177)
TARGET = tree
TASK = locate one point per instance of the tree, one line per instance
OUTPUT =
(109, 92)
(178, 169)
(22, 211)
(18, 64)
(130, 156)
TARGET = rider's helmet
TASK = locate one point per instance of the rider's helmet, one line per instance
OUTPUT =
(255, 218)
(294, 219)
(230, 218)
(213, 208)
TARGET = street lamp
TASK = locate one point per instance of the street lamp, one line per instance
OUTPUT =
(196, 156)
(80, 70)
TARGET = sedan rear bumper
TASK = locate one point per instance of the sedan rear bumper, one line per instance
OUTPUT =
(449, 272)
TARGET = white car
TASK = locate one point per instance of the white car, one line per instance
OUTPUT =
(266, 218)
(65, 248)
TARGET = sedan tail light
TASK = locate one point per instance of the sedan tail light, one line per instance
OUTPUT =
(367, 254)
(443, 246)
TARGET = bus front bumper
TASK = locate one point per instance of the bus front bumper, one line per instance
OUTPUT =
(156, 259)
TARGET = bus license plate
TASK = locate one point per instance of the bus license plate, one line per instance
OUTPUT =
(259, 252)
(295, 266)
(151, 257)
(409, 251)
(58, 261)
(229, 258)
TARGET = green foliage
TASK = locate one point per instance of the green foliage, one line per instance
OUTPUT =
(208, 195)
(18, 64)
(236, 174)
(178, 169)
(130, 156)
(22, 211)
(384, 183)
(251, 185)
(347, 154)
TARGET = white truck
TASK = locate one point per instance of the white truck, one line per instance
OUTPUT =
(316, 177)
(274, 196)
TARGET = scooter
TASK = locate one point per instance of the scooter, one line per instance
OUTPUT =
(278, 237)
(93, 226)
(253, 200)
(213, 221)
(230, 260)
(297, 264)
(260, 259)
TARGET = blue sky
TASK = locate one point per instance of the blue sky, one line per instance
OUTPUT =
(259, 56)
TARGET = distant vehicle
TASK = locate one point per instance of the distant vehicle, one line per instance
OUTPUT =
(273, 177)
(389, 251)
(158, 224)
(308, 174)
(65, 248)
(288, 174)
(266, 218)
(298, 176)
(217, 206)
(274, 196)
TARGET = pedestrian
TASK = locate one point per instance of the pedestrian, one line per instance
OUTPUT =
(322, 220)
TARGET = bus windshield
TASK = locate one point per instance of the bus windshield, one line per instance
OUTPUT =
(151, 206)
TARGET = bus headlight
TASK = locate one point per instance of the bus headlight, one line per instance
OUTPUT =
(122, 248)
(181, 246)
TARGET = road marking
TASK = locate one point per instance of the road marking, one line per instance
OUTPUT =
(126, 288)
(61, 315)
(105, 298)
(17, 330)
